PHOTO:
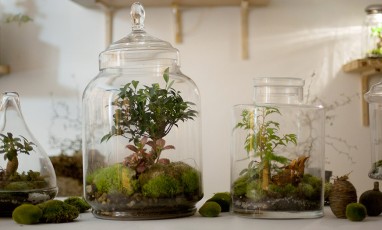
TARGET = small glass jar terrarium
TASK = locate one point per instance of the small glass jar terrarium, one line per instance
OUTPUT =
(26, 173)
(374, 98)
(372, 32)
(141, 123)
(277, 168)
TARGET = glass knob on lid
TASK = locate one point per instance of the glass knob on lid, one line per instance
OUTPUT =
(139, 49)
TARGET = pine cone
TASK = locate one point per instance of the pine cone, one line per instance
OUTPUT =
(342, 194)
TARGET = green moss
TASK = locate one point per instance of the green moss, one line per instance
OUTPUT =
(27, 214)
(56, 211)
(355, 212)
(168, 180)
(278, 191)
(311, 187)
(223, 199)
(255, 191)
(18, 186)
(190, 180)
(240, 186)
(78, 202)
(327, 189)
(116, 178)
(161, 186)
(210, 209)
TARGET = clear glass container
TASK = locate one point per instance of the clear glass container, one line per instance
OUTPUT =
(374, 98)
(26, 173)
(141, 131)
(277, 168)
(372, 32)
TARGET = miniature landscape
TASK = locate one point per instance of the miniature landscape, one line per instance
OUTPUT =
(272, 182)
(145, 184)
(18, 188)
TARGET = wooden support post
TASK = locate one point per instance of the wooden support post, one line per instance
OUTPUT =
(365, 105)
(109, 19)
(178, 23)
(244, 28)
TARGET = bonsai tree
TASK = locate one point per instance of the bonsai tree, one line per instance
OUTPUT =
(262, 143)
(145, 115)
(12, 146)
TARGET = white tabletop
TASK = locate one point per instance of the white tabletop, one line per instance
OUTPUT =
(225, 221)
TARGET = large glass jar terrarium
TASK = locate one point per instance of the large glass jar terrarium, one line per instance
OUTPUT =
(26, 173)
(374, 98)
(372, 32)
(141, 123)
(277, 149)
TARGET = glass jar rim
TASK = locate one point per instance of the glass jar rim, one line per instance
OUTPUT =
(278, 81)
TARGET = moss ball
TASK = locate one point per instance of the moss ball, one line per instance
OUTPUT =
(56, 211)
(223, 199)
(27, 214)
(210, 209)
(78, 202)
(355, 212)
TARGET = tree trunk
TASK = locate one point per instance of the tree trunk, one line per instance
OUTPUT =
(266, 175)
(11, 166)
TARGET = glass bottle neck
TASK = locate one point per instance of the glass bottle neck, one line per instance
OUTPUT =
(278, 91)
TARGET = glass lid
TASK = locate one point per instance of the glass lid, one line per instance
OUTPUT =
(138, 48)
(374, 94)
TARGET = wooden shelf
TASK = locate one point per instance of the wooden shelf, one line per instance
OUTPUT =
(117, 4)
(365, 67)
(4, 69)
(109, 6)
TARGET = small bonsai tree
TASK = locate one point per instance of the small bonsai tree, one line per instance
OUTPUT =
(12, 146)
(145, 116)
(261, 141)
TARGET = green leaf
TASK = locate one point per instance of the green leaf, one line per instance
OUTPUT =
(166, 74)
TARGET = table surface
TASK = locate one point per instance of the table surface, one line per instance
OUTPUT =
(224, 222)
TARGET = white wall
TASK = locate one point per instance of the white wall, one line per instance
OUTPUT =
(56, 55)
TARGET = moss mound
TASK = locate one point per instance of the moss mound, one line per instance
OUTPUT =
(355, 212)
(210, 209)
(27, 214)
(223, 199)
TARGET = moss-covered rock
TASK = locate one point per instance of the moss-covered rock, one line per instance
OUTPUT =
(56, 211)
(210, 209)
(78, 202)
(223, 199)
(169, 180)
(115, 178)
(355, 212)
(27, 214)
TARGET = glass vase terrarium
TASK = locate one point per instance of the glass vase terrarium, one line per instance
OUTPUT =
(372, 32)
(374, 98)
(26, 173)
(141, 141)
(277, 149)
